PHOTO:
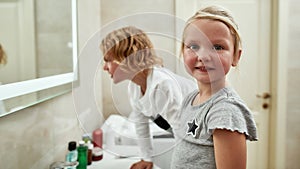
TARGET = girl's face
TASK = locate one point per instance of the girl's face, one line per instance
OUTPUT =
(208, 50)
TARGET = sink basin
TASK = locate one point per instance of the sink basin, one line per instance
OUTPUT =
(109, 161)
(120, 141)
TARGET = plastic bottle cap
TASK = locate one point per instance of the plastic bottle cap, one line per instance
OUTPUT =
(72, 145)
(81, 143)
(86, 137)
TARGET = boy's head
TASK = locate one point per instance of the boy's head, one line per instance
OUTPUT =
(131, 48)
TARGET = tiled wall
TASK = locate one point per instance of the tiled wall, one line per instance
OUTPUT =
(37, 136)
(293, 95)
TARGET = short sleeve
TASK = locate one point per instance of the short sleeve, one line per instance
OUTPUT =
(231, 115)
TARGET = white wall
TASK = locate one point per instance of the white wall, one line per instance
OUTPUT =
(293, 95)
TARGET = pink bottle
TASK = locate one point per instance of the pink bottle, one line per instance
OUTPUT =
(97, 141)
(97, 138)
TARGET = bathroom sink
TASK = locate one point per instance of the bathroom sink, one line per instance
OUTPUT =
(115, 164)
(109, 161)
(120, 141)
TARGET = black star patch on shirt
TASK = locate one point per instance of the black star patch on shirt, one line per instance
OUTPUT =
(193, 127)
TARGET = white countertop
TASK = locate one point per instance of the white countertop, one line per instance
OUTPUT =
(120, 138)
(110, 161)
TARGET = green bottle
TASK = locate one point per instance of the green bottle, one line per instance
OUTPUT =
(82, 155)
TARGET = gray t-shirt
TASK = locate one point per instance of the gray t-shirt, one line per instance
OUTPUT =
(224, 110)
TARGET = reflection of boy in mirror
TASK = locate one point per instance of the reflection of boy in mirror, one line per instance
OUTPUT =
(2, 62)
(2, 56)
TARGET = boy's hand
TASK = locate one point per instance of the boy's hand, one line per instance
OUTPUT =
(142, 165)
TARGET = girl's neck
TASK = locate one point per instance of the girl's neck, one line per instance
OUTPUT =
(207, 90)
(141, 80)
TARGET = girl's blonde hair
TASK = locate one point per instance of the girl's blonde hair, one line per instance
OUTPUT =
(2, 55)
(220, 14)
(130, 47)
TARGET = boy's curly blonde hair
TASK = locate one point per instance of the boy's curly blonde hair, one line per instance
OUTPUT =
(130, 47)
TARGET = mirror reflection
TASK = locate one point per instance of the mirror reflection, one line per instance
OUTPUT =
(37, 37)
(37, 43)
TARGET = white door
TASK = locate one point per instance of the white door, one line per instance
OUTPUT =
(251, 78)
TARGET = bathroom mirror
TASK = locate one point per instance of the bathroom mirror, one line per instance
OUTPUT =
(39, 38)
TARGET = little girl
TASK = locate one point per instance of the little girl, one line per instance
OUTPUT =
(215, 121)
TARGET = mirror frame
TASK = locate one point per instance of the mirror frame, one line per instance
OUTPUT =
(11, 90)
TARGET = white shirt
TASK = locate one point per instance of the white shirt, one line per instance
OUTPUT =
(164, 95)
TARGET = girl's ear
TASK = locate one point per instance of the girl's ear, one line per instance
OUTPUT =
(236, 58)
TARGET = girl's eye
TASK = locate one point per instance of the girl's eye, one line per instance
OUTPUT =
(194, 47)
(218, 47)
